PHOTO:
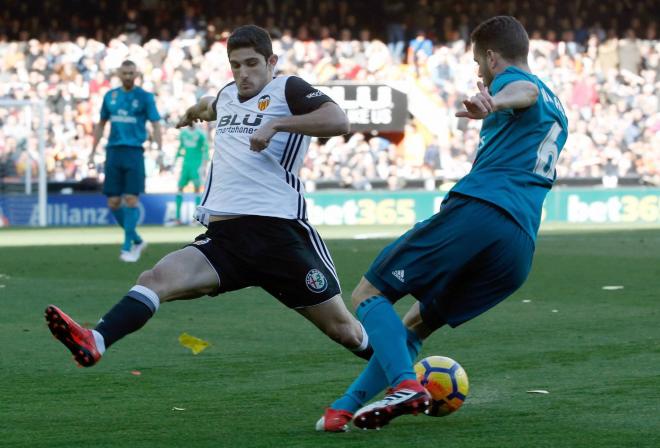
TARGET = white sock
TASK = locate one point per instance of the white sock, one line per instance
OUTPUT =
(365, 340)
(100, 342)
(153, 300)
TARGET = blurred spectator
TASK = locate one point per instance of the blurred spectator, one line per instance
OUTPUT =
(396, 31)
(630, 58)
(419, 47)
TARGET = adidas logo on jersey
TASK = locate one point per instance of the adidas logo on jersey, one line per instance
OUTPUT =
(314, 94)
(399, 275)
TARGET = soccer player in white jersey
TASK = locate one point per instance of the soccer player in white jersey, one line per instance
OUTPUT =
(253, 206)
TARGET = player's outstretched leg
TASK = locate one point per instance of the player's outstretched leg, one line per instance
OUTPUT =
(183, 274)
(408, 397)
(388, 337)
(371, 382)
(79, 340)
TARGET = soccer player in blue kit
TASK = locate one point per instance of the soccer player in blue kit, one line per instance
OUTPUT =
(127, 108)
(477, 250)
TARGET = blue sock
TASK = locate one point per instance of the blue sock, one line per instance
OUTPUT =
(387, 336)
(131, 215)
(118, 213)
(128, 315)
(372, 380)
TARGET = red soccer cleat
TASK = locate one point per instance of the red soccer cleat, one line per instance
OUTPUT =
(408, 397)
(80, 341)
(334, 420)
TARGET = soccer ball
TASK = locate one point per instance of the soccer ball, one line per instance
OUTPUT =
(446, 381)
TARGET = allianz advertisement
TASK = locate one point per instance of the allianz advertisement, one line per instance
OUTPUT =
(568, 205)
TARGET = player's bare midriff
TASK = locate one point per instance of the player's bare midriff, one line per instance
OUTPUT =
(223, 217)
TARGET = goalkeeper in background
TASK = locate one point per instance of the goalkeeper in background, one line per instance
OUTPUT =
(194, 149)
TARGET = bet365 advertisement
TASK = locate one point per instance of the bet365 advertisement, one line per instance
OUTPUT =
(569, 205)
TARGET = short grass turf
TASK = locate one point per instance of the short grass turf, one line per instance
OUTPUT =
(268, 374)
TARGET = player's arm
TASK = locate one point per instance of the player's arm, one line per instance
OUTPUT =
(313, 113)
(158, 134)
(201, 171)
(99, 128)
(202, 111)
(154, 117)
(98, 134)
(515, 95)
(205, 148)
(326, 121)
(180, 150)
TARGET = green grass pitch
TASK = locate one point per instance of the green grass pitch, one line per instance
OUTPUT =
(268, 374)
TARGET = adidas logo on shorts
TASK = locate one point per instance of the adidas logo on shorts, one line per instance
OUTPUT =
(398, 274)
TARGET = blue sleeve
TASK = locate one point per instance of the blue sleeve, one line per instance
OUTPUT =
(152, 112)
(506, 77)
(105, 111)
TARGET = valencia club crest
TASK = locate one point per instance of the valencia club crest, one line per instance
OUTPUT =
(263, 103)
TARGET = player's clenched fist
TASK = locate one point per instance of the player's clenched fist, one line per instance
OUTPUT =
(261, 138)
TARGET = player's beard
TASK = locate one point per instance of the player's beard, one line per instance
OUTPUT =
(246, 90)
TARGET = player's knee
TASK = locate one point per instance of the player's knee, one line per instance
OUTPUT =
(154, 280)
(355, 299)
(358, 296)
(346, 333)
(114, 202)
(362, 292)
(131, 201)
(146, 278)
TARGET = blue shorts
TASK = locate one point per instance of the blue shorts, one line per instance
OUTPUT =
(124, 171)
(459, 263)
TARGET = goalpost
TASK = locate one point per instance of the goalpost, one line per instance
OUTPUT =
(29, 109)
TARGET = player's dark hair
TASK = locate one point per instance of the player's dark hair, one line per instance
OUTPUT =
(250, 36)
(128, 62)
(503, 34)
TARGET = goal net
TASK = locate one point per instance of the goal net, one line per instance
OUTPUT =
(23, 183)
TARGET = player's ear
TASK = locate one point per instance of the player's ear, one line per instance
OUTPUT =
(492, 59)
(272, 60)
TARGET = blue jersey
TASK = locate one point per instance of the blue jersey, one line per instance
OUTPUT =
(128, 112)
(518, 149)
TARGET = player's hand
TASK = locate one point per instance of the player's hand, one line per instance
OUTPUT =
(90, 162)
(260, 139)
(478, 106)
(188, 119)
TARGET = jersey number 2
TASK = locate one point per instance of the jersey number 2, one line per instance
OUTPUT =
(546, 156)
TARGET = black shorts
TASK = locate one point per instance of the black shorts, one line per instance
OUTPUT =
(285, 257)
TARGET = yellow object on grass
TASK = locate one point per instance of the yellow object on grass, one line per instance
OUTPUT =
(195, 344)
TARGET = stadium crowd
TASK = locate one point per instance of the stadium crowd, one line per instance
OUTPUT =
(601, 57)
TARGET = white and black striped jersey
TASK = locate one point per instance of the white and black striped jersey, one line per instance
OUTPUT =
(245, 182)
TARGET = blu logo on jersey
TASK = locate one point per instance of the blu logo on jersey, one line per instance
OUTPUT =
(234, 120)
